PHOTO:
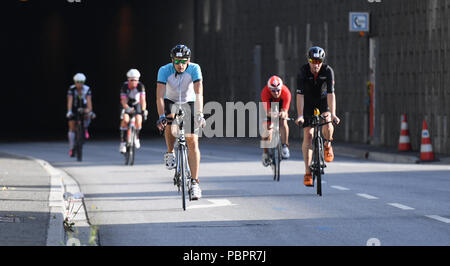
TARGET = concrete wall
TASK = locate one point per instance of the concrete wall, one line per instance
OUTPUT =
(239, 44)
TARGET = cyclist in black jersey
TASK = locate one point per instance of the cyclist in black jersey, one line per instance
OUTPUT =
(133, 100)
(315, 89)
(79, 95)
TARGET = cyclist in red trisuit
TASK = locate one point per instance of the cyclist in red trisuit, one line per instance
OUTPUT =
(275, 91)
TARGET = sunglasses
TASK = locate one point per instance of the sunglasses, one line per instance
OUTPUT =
(275, 90)
(81, 82)
(315, 61)
(177, 61)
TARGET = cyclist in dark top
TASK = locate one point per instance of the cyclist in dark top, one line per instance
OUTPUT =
(133, 100)
(78, 96)
(315, 89)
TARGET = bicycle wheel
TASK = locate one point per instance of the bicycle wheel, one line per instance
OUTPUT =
(132, 146)
(79, 142)
(182, 163)
(127, 153)
(318, 171)
(188, 175)
(274, 163)
(279, 160)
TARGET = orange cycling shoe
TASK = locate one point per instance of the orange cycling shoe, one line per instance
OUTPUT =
(329, 155)
(308, 181)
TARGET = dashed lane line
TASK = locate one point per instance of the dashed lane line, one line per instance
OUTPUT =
(439, 218)
(401, 206)
(367, 196)
(340, 188)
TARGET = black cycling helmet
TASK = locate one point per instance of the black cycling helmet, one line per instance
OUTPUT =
(316, 53)
(180, 51)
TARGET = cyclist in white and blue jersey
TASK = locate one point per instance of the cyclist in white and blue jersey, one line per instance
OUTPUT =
(180, 84)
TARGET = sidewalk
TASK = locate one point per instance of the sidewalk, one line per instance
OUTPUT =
(35, 199)
(384, 154)
(24, 202)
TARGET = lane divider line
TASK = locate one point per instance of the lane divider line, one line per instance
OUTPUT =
(366, 196)
(340, 188)
(401, 206)
(439, 218)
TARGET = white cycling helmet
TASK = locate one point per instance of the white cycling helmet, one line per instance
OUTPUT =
(133, 73)
(79, 77)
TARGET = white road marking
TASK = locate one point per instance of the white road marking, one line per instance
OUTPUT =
(439, 218)
(401, 206)
(215, 203)
(367, 196)
(340, 188)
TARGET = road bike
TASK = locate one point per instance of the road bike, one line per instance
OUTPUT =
(318, 158)
(131, 138)
(275, 152)
(182, 177)
(275, 157)
(79, 134)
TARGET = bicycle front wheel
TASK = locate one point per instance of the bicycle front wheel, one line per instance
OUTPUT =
(183, 163)
(79, 143)
(318, 170)
(132, 146)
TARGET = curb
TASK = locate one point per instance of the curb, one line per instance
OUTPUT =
(376, 156)
(65, 205)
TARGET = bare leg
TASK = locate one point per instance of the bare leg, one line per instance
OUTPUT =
(193, 154)
(307, 147)
(284, 132)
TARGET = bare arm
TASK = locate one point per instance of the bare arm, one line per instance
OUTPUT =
(331, 99)
(300, 104)
(89, 103)
(198, 88)
(160, 91)
(69, 102)
(143, 101)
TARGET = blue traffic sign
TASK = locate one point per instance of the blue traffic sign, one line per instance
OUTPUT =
(359, 21)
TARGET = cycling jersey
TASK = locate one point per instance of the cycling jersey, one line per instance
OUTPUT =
(284, 100)
(315, 88)
(133, 95)
(79, 99)
(179, 86)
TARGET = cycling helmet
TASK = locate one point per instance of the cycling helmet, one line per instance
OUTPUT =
(316, 53)
(275, 83)
(180, 51)
(79, 77)
(133, 73)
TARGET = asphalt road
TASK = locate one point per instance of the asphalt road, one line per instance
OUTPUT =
(363, 202)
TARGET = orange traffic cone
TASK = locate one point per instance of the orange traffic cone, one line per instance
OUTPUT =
(426, 150)
(404, 143)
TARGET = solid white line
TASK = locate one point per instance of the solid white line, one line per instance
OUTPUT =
(215, 203)
(401, 206)
(367, 196)
(340, 188)
(439, 218)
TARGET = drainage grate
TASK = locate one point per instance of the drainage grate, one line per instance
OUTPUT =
(10, 220)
